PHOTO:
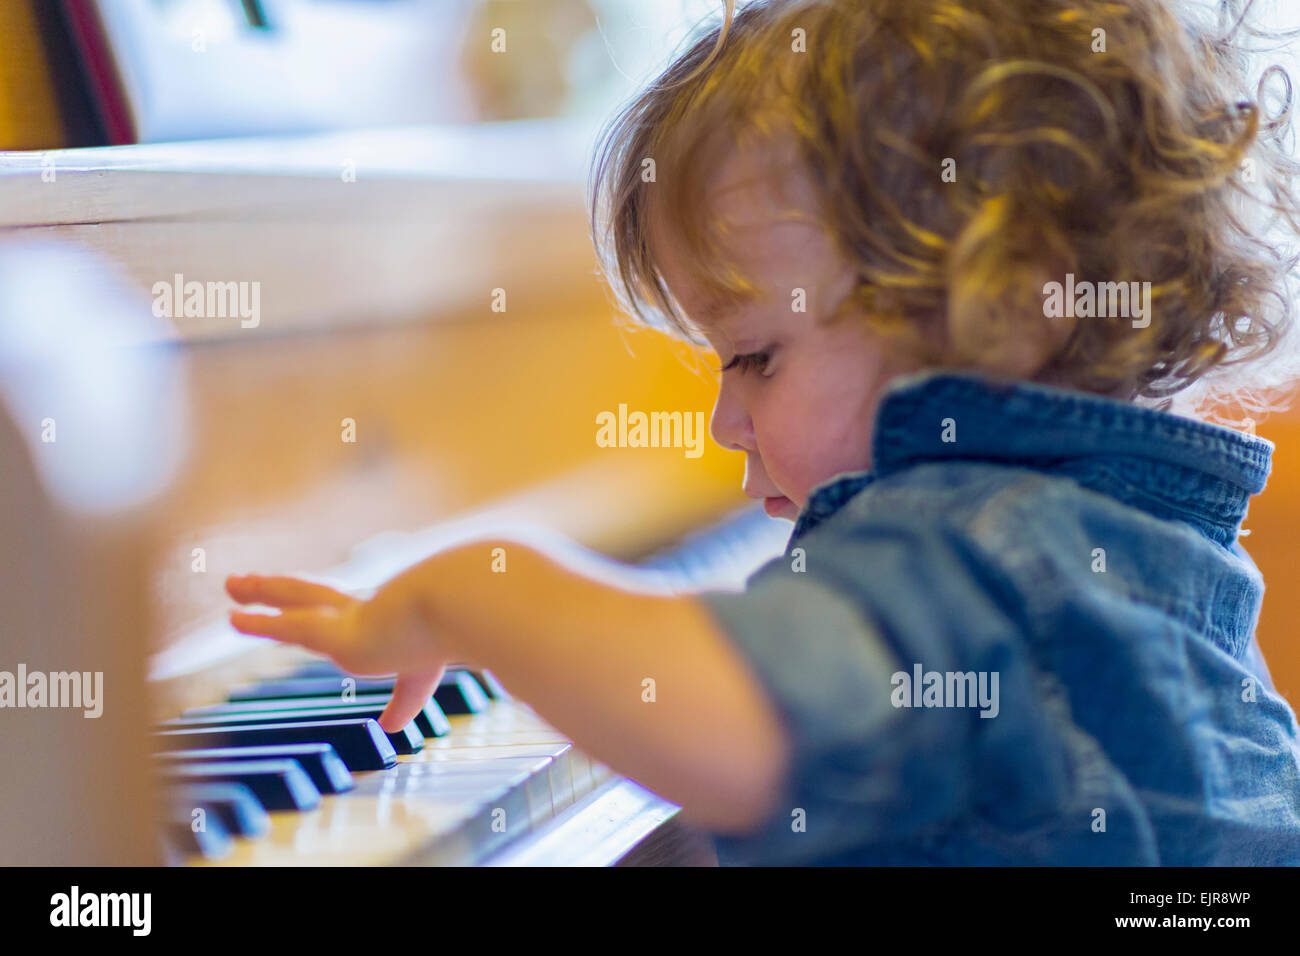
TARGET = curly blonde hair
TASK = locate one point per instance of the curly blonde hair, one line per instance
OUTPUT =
(1118, 140)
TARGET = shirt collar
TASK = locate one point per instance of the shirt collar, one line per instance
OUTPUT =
(949, 416)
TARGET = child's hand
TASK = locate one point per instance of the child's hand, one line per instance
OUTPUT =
(383, 634)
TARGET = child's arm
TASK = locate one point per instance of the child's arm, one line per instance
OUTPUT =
(576, 649)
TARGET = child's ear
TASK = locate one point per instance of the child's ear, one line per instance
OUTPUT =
(1010, 334)
(1049, 333)
(992, 338)
(1020, 352)
(1040, 340)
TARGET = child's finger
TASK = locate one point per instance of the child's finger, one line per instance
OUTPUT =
(410, 691)
(313, 629)
(282, 591)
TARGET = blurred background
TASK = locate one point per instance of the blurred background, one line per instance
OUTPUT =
(156, 70)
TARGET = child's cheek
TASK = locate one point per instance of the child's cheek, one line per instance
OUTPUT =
(788, 447)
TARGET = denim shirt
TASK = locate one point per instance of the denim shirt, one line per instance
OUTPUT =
(1026, 636)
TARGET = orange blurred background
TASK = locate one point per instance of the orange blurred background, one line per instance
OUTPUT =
(1274, 524)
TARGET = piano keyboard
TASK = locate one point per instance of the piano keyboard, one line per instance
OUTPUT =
(489, 776)
(296, 769)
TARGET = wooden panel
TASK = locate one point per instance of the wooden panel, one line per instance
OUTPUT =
(427, 229)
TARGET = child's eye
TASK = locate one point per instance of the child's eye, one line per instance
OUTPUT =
(756, 361)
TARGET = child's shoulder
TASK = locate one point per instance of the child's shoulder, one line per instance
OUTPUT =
(986, 503)
(951, 538)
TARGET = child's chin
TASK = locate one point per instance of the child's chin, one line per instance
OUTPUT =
(780, 508)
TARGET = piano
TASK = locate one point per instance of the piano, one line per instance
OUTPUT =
(210, 750)
(477, 779)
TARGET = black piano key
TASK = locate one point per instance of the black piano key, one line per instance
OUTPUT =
(212, 842)
(361, 744)
(311, 687)
(486, 679)
(491, 686)
(322, 764)
(432, 716)
(233, 804)
(278, 784)
(431, 721)
(408, 740)
(320, 669)
(460, 693)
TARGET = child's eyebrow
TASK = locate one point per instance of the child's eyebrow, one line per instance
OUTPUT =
(716, 308)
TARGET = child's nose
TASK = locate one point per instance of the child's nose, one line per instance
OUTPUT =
(730, 425)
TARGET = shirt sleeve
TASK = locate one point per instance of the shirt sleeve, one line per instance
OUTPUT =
(868, 769)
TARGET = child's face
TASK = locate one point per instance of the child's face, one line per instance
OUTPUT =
(802, 404)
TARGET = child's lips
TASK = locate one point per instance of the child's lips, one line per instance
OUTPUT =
(777, 507)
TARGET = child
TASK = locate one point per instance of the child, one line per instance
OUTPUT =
(955, 259)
